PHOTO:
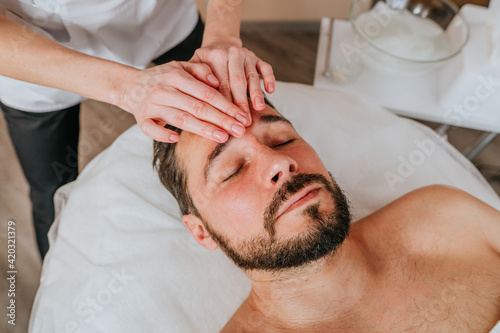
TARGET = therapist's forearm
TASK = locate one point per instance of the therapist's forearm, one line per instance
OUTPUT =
(223, 22)
(31, 57)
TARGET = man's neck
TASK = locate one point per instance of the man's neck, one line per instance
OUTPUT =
(321, 293)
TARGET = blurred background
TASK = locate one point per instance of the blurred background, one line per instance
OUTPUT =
(300, 10)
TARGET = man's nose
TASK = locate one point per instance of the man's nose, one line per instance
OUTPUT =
(277, 168)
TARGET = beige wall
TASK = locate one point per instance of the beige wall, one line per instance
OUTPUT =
(290, 10)
(300, 10)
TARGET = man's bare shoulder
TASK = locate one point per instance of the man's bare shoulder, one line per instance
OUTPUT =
(437, 219)
(433, 239)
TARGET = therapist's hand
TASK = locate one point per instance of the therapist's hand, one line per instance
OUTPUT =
(237, 70)
(183, 95)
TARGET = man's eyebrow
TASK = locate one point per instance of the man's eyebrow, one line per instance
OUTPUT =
(213, 155)
(271, 118)
(221, 147)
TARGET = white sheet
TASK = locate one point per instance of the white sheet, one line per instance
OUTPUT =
(121, 261)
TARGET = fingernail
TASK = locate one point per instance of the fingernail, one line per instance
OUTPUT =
(260, 102)
(212, 79)
(219, 135)
(270, 87)
(238, 129)
(174, 137)
(241, 118)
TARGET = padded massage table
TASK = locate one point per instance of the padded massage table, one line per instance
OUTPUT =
(120, 259)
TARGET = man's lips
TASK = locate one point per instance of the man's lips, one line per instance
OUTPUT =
(299, 199)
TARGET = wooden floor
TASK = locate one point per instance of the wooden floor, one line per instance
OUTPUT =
(289, 48)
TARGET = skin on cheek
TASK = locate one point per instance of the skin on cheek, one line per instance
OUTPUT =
(309, 160)
(237, 213)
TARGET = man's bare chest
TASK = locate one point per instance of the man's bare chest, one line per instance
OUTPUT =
(425, 294)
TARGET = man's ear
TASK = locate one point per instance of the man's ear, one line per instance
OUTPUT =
(200, 234)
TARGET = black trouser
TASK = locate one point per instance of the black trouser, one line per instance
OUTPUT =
(46, 144)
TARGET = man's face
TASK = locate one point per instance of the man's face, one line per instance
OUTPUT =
(265, 198)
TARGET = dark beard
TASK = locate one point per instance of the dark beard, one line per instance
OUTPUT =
(326, 234)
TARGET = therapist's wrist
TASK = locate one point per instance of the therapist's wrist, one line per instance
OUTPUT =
(119, 85)
(221, 41)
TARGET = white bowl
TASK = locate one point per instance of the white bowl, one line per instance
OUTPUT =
(407, 37)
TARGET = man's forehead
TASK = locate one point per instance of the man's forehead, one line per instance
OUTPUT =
(194, 148)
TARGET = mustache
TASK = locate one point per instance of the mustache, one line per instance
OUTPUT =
(288, 189)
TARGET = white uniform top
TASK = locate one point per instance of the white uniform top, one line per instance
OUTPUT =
(131, 32)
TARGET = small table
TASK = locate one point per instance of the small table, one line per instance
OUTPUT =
(415, 97)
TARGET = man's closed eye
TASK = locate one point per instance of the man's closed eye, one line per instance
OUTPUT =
(237, 171)
(234, 173)
(284, 143)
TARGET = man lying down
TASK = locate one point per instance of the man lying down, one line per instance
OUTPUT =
(429, 261)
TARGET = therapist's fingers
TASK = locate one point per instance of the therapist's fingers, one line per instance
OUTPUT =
(238, 78)
(157, 131)
(237, 69)
(202, 72)
(266, 71)
(216, 58)
(205, 112)
(256, 95)
(202, 92)
(186, 121)
(180, 78)
(175, 94)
